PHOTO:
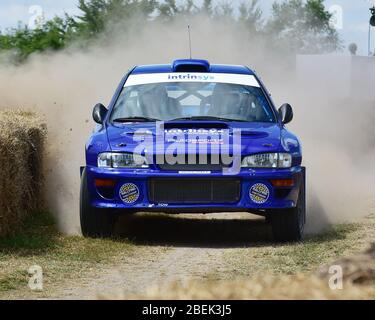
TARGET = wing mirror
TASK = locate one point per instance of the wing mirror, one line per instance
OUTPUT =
(286, 113)
(99, 113)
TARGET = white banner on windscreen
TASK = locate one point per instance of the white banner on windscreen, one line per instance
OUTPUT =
(152, 78)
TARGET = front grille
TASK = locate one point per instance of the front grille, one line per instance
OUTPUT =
(191, 167)
(208, 163)
(194, 191)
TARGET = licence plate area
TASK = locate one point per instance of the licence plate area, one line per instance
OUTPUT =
(194, 191)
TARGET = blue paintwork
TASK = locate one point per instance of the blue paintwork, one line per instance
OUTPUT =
(256, 138)
(213, 68)
(204, 64)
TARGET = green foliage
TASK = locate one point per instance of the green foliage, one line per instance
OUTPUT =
(303, 26)
(23, 41)
(37, 234)
(251, 16)
(169, 10)
(224, 12)
(97, 15)
(295, 25)
(207, 7)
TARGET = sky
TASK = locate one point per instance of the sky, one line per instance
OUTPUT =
(353, 27)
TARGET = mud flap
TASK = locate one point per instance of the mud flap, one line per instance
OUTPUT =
(304, 179)
(304, 190)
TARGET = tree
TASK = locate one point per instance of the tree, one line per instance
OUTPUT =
(296, 26)
(207, 8)
(97, 15)
(169, 10)
(302, 27)
(224, 12)
(22, 41)
(251, 16)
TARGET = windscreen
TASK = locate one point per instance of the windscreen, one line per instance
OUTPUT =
(233, 98)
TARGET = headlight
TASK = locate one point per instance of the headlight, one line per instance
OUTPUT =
(121, 160)
(268, 160)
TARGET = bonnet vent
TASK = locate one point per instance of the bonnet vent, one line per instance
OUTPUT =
(191, 66)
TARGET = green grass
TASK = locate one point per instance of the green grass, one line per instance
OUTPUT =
(62, 258)
(294, 258)
(38, 235)
(67, 260)
(316, 250)
(13, 281)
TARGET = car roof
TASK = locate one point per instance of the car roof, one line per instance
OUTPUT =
(192, 65)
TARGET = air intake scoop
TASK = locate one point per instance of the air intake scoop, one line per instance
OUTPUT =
(191, 65)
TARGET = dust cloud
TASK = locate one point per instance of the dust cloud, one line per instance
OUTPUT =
(64, 87)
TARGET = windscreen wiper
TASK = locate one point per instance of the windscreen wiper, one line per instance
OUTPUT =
(136, 119)
(210, 118)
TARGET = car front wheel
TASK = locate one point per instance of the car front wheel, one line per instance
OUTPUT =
(95, 223)
(289, 224)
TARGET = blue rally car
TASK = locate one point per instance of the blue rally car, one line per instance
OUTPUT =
(193, 137)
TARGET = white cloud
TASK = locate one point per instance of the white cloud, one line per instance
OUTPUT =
(362, 27)
(11, 14)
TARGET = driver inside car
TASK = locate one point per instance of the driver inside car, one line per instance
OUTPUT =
(155, 103)
(226, 103)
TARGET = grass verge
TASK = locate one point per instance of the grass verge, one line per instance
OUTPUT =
(62, 258)
(275, 271)
(295, 258)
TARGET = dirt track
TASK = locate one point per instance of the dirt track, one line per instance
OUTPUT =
(151, 267)
(213, 247)
(170, 248)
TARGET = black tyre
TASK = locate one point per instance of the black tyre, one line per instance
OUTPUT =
(289, 224)
(95, 223)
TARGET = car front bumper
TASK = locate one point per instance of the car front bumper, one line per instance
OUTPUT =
(276, 198)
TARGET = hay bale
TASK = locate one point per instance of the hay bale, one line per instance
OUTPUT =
(262, 287)
(358, 283)
(22, 136)
(358, 269)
